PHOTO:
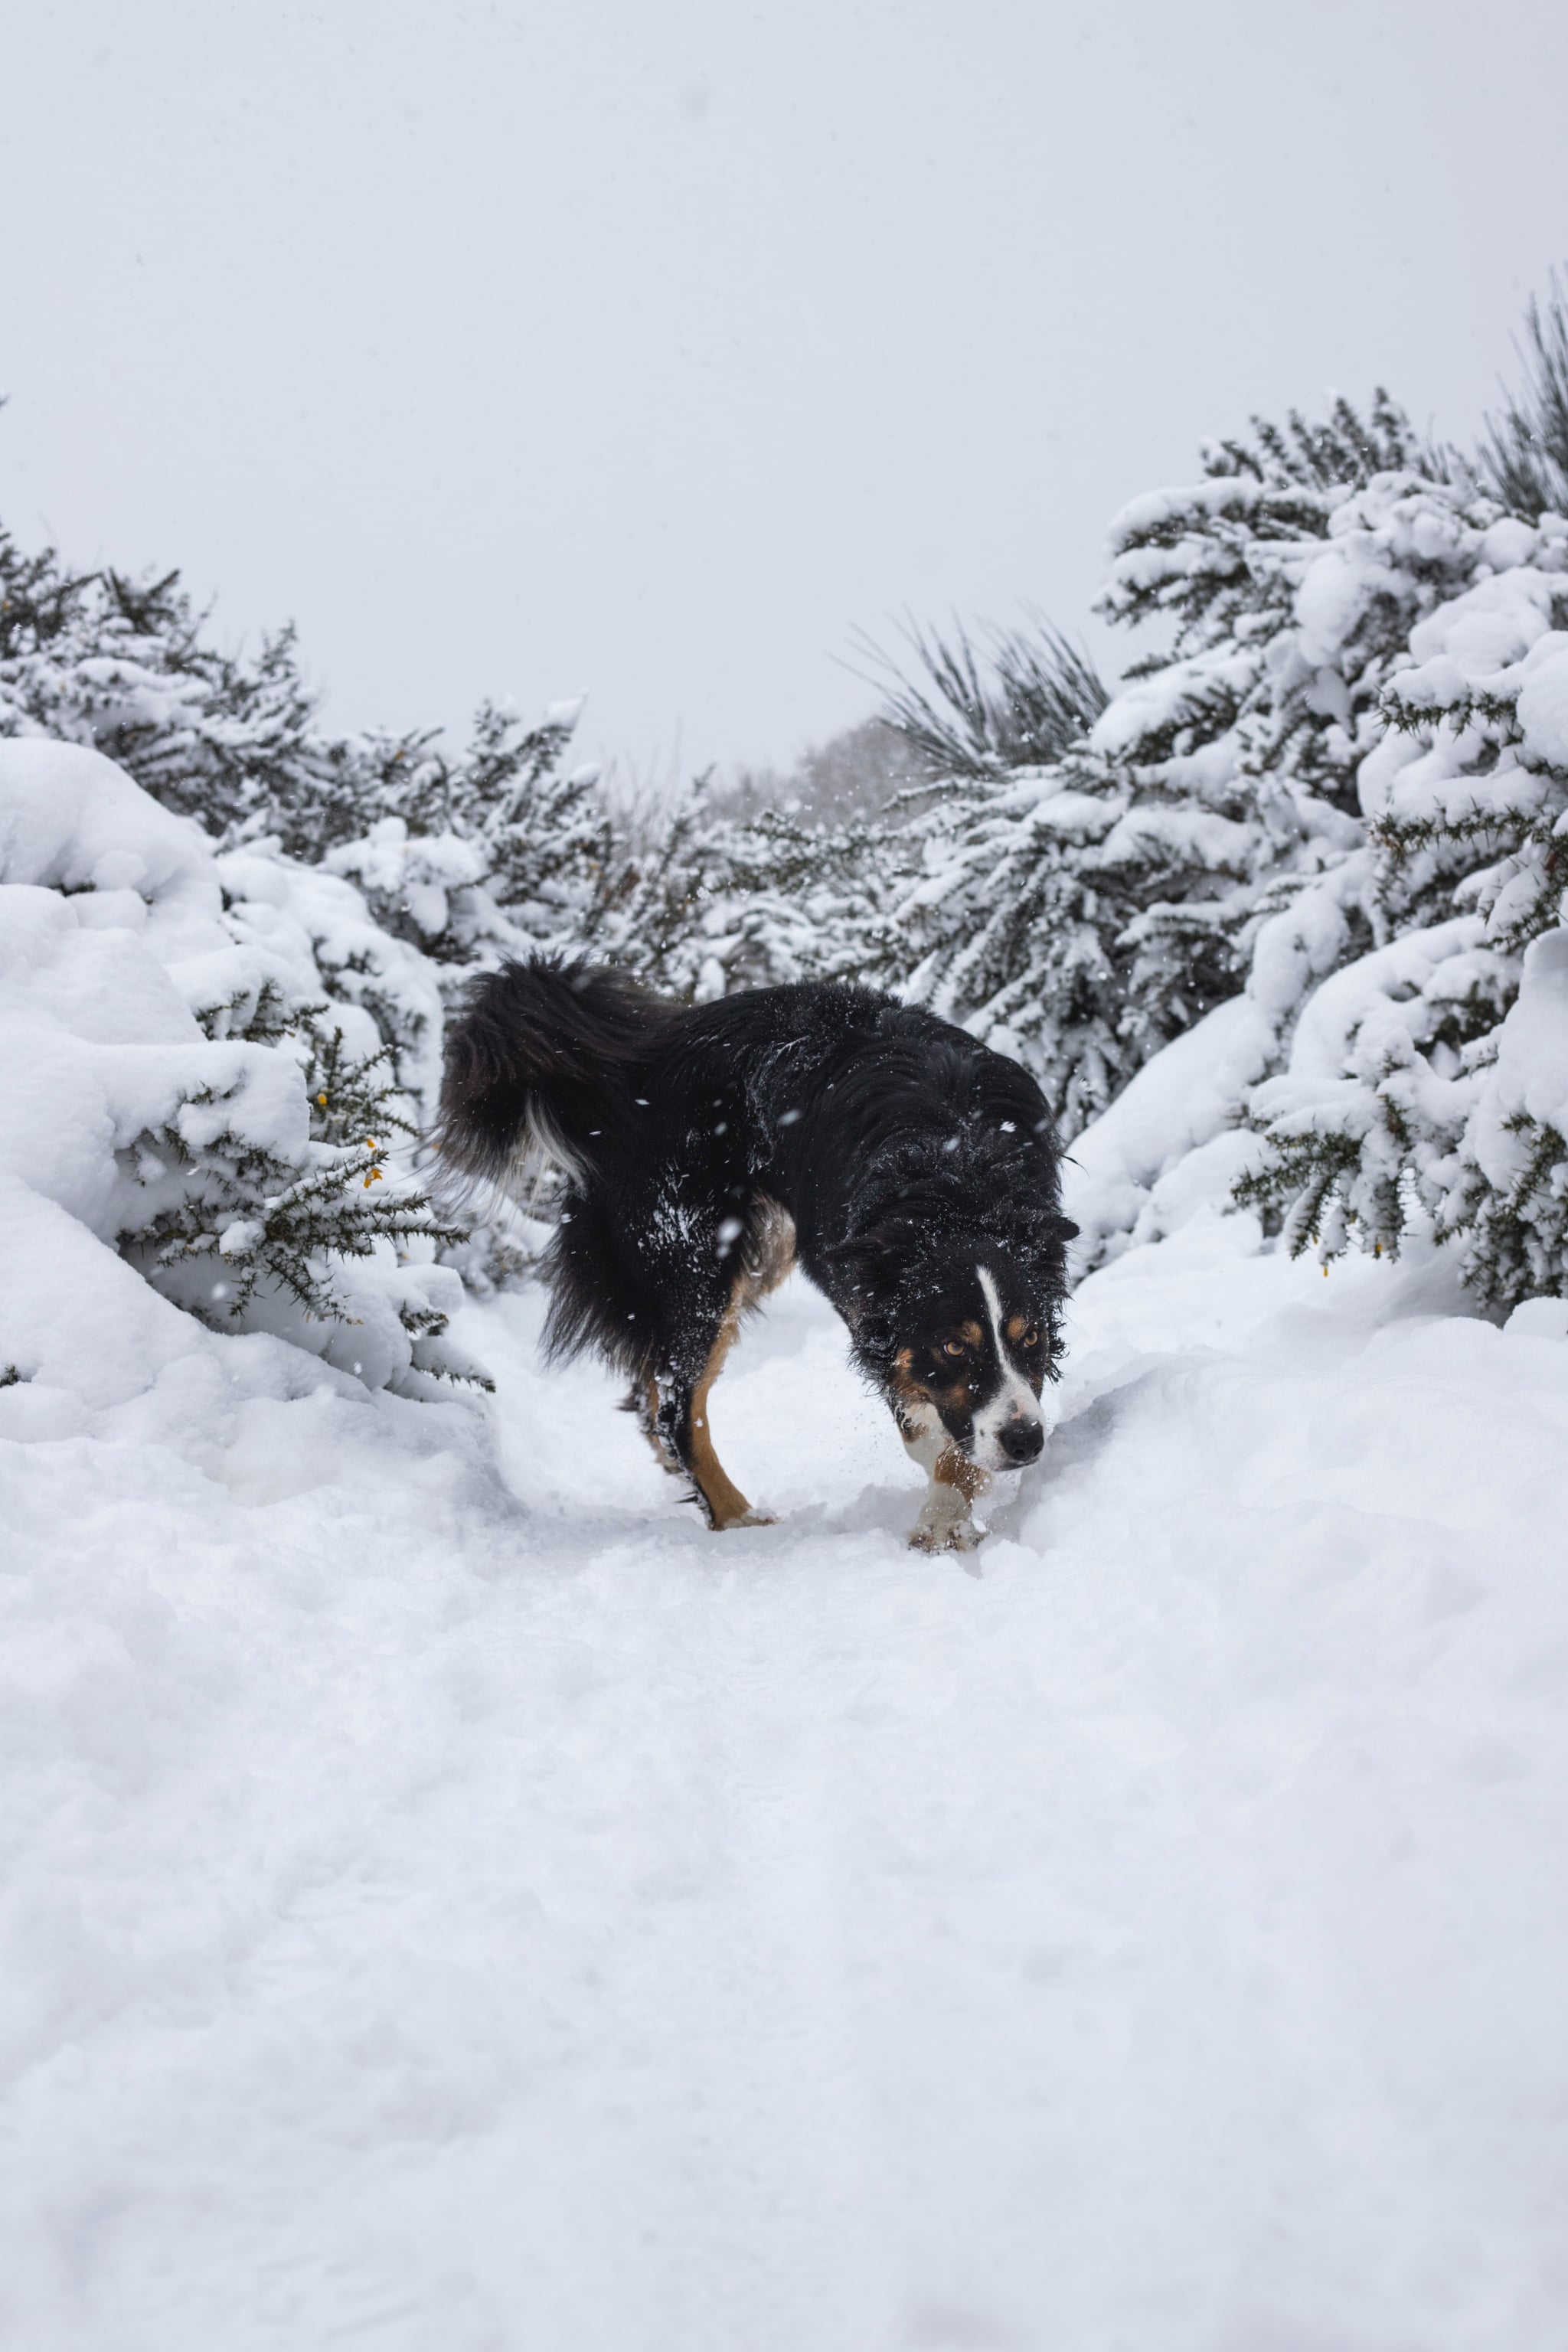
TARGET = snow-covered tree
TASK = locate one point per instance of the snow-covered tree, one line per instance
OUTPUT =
(1399, 761)
(127, 667)
(467, 855)
(494, 852)
(1416, 1082)
(1086, 906)
(708, 903)
(996, 923)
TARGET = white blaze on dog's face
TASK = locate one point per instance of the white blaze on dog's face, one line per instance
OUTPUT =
(1008, 1431)
(973, 1369)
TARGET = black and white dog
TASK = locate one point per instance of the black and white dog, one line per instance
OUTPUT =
(913, 1173)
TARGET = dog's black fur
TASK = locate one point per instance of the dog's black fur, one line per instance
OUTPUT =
(916, 1167)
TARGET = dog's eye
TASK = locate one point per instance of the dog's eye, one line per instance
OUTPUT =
(955, 1346)
(1031, 1338)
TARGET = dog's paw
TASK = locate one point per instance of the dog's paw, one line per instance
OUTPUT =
(957, 1535)
(747, 1519)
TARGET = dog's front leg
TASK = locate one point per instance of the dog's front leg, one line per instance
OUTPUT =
(945, 1523)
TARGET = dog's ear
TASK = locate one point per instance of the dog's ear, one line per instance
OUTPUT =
(859, 1265)
(1036, 1229)
(1049, 1225)
(855, 1262)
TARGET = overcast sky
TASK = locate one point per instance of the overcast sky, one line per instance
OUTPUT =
(648, 350)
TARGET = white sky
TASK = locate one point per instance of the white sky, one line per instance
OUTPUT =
(649, 350)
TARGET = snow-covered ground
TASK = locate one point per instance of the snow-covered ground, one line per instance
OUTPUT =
(451, 1902)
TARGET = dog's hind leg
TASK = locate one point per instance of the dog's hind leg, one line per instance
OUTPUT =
(642, 1401)
(683, 1388)
(686, 1272)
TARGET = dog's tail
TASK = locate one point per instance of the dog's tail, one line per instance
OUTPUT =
(543, 1061)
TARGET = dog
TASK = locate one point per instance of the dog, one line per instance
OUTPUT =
(910, 1172)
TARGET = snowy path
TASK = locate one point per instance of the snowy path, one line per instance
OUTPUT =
(441, 1919)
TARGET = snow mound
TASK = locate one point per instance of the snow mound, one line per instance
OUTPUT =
(1172, 1144)
(71, 821)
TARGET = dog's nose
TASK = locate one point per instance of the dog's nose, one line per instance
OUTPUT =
(1021, 1440)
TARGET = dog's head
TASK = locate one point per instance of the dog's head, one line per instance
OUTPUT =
(963, 1343)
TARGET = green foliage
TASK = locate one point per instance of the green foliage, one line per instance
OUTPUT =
(1019, 704)
(493, 852)
(1344, 452)
(1354, 1161)
(715, 904)
(1526, 455)
(1419, 1102)
(1514, 1234)
(258, 1016)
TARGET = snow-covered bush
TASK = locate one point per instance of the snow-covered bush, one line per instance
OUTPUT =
(1411, 1084)
(716, 904)
(1261, 923)
(1086, 909)
(469, 855)
(494, 853)
(184, 1100)
(994, 921)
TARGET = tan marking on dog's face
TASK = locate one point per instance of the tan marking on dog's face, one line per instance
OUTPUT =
(912, 1407)
(1024, 1331)
(950, 1396)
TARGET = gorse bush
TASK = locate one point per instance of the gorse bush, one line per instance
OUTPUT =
(236, 1206)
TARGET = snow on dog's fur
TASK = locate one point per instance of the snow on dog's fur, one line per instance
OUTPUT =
(911, 1172)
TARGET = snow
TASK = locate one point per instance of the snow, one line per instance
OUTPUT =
(1170, 1142)
(418, 873)
(72, 820)
(451, 1901)
(1527, 1080)
(1543, 705)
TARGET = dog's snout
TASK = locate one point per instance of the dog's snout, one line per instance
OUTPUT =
(1021, 1440)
